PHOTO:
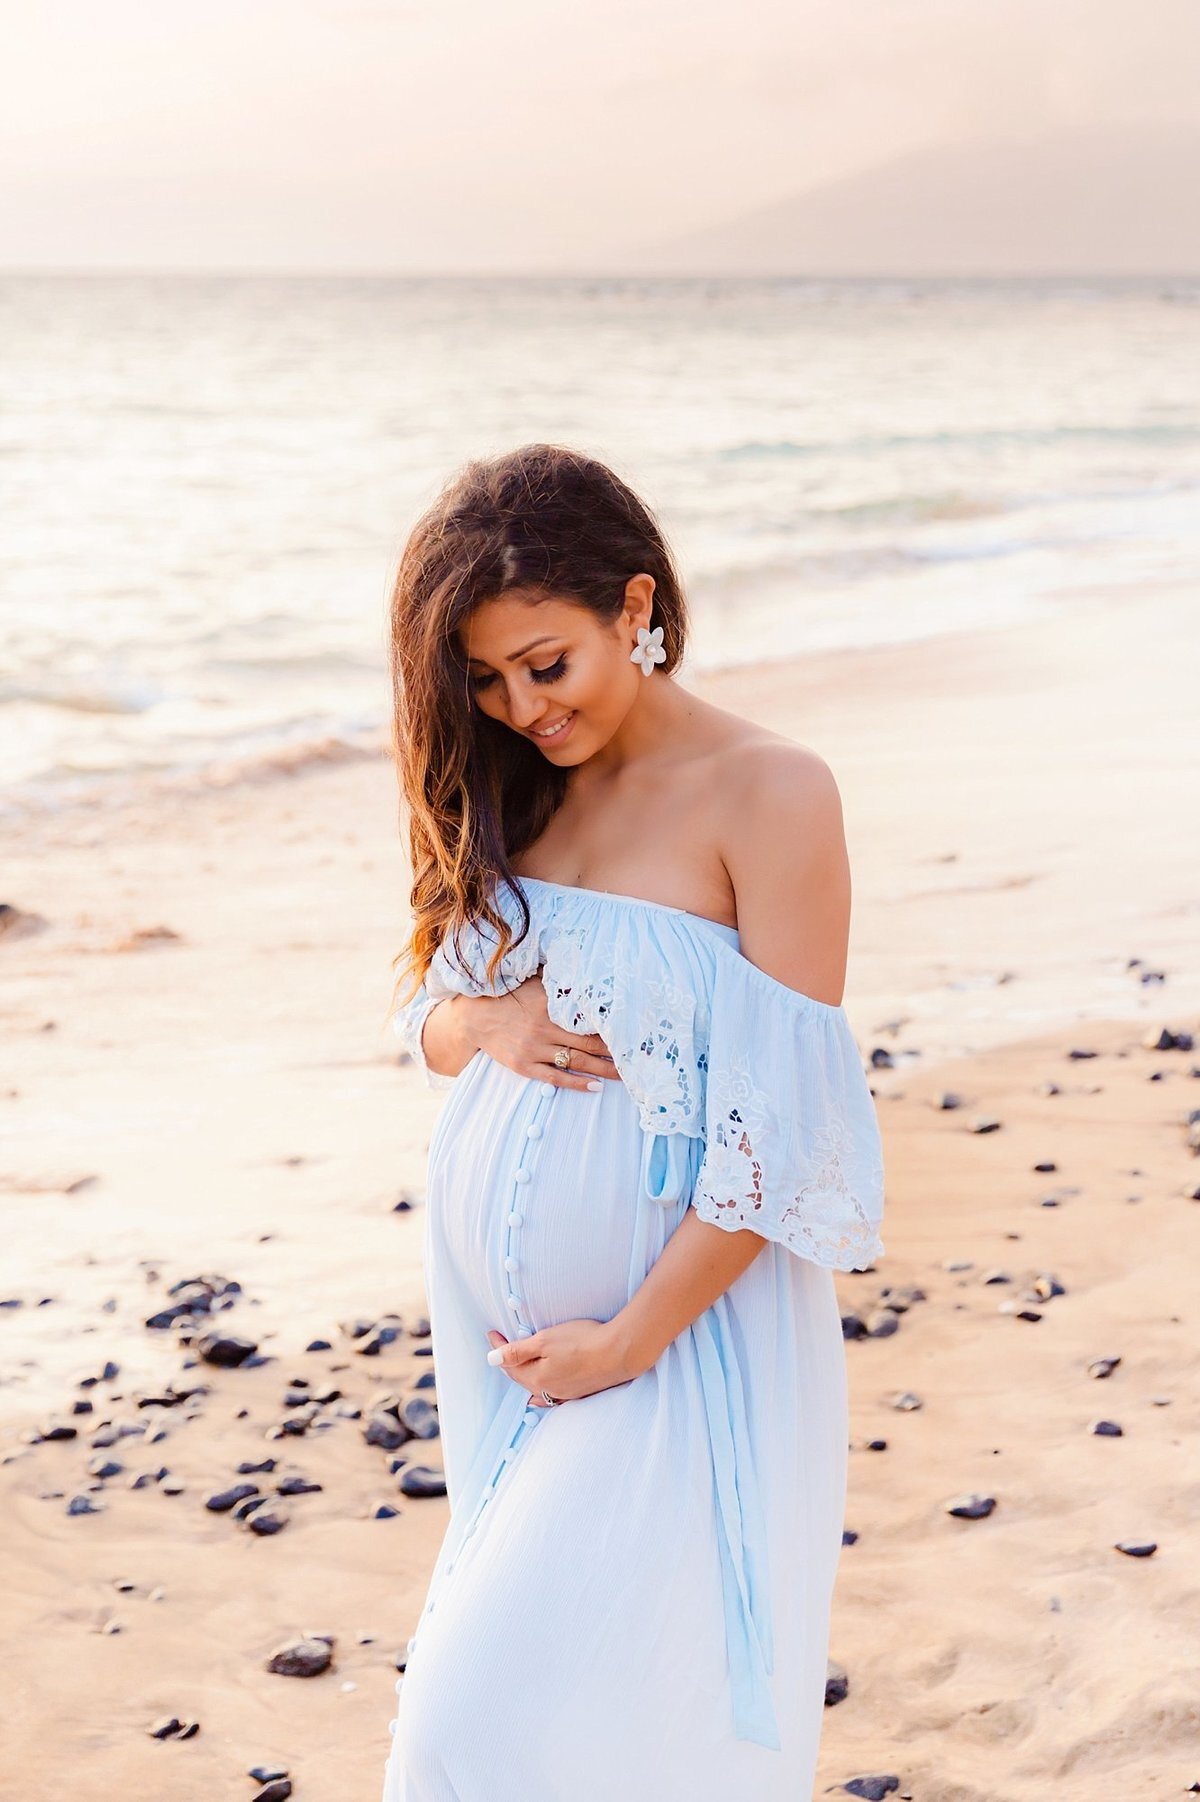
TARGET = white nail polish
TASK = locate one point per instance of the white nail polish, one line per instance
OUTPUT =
(496, 1355)
(597, 1084)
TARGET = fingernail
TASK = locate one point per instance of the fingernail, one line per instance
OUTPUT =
(496, 1355)
(596, 1085)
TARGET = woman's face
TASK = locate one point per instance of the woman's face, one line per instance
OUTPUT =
(555, 672)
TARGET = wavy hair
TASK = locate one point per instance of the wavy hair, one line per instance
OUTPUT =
(555, 524)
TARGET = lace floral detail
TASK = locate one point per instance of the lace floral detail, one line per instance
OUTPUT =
(709, 1046)
(824, 1220)
(647, 1022)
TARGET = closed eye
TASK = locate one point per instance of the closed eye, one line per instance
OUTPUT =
(549, 673)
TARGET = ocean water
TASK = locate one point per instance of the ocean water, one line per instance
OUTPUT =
(205, 481)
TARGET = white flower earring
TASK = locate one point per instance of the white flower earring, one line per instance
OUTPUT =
(649, 649)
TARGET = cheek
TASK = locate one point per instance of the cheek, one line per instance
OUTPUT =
(595, 690)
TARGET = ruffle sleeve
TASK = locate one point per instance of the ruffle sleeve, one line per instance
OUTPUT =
(408, 1024)
(792, 1144)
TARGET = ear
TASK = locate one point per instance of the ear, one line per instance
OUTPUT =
(639, 600)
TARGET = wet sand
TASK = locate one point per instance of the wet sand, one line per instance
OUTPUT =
(200, 1081)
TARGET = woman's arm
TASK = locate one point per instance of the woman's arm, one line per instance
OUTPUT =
(790, 874)
(516, 1030)
(448, 1037)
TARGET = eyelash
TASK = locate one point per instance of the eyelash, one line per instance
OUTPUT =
(551, 673)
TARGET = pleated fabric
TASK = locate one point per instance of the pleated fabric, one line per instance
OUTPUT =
(632, 1597)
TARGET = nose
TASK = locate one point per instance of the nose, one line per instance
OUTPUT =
(525, 709)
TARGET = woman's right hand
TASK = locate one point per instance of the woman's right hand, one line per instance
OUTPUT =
(516, 1030)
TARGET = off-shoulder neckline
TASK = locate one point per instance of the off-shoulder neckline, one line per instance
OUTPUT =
(754, 973)
(603, 894)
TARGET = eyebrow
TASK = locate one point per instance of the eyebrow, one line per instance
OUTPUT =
(513, 655)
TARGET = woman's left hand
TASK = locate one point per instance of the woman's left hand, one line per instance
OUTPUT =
(572, 1359)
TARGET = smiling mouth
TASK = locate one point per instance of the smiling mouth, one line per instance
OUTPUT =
(555, 731)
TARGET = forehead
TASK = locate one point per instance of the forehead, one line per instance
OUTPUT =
(497, 629)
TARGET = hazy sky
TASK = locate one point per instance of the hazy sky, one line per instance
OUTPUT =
(467, 134)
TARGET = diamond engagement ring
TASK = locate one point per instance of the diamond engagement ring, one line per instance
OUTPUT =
(562, 1057)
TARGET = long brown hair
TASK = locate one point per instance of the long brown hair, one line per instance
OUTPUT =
(554, 523)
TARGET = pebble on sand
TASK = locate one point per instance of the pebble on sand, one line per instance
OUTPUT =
(301, 1658)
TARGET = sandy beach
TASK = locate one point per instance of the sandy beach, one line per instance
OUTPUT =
(200, 1083)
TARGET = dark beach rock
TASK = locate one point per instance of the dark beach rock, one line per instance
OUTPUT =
(248, 1468)
(1046, 1168)
(298, 1486)
(267, 1773)
(1102, 1367)
(985, 1123)
(355, 1329)
(426, 1380)
(301, 1658)
(225, 1499)
(278, 1790)
(873, 1788)
(226, 1349)
(995, 1276)
(971, 1507)
(104, 1467)
(420, 1417)
(419, 1480)
(420, 1328)
(265, 1521)
(385, 1511)
(318, 1345)
(171, 1727)
(83, 1504)
(1136, 1548)
(876, 1445)
(172, 1485)
(947, 1101)
(1046, 1287)
(849, 1536)
(1163, 1039)
(1078, 1053)
(954, 1265)
(853, 1326)
(900, 1300)
(422, 1351)
(837, 1683)
(245, 1508)
(57, 1429)
(1107, 1429)
(386, 1432)
(881, 1058)
(110, 1371)
(881, 1323)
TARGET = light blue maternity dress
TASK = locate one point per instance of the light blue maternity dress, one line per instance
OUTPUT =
(631, 1602)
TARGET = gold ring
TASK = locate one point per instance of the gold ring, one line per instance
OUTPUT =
(562, 1057)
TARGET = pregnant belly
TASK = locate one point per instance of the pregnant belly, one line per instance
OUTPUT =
(536, 1195)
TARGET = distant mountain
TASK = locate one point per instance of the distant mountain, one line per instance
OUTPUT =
(1119, 201)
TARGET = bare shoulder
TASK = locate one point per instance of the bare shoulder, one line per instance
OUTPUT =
(773, 790)
(782, 839)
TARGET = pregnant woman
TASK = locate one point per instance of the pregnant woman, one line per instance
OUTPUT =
(630, 925)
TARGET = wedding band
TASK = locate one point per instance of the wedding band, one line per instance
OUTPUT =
(551, 1401)
(562, 1057)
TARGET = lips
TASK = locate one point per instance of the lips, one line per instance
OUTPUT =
(560, 730)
